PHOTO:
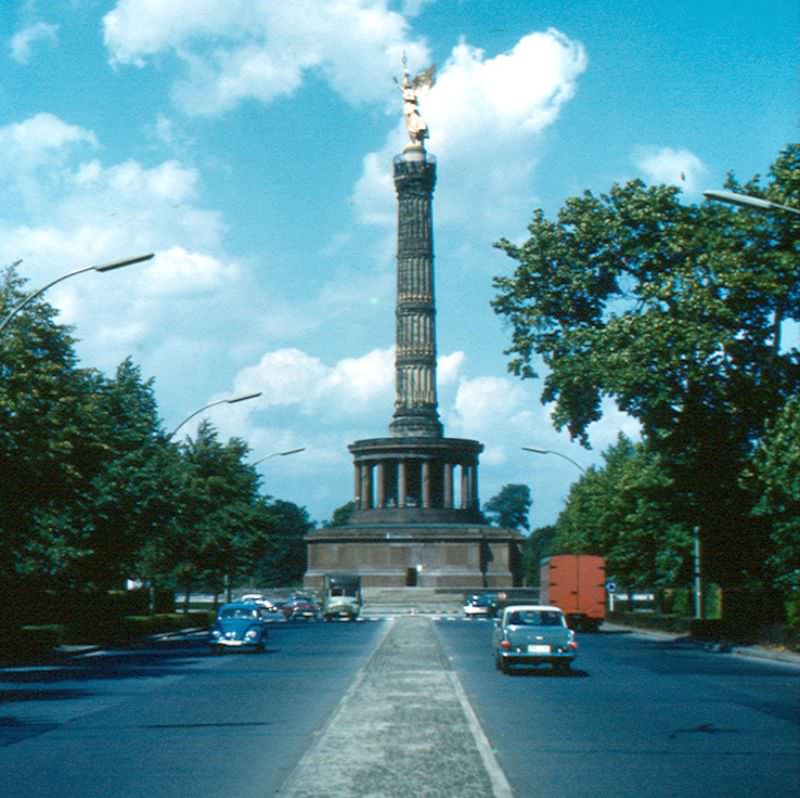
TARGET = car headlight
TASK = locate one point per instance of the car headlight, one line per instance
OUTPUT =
(216, 633)
(251, 634)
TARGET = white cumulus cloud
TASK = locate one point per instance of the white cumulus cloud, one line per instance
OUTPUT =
(293, 377)
(488, 407)
(243, 49)
(179, 272)
(484, 116)
(673, 167)
(23, 40)
(39, 135)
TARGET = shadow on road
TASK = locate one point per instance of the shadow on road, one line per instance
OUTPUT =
(548, 673)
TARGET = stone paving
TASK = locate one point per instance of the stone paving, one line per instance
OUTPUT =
(404, 728)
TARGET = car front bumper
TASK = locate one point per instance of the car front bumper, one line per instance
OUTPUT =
(226, 642)
(341, 612)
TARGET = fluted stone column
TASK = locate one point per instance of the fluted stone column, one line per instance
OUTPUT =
(401, 484)
(448, 485)
(380, 487)
(426, 483)
(366, 486)
(416, 412)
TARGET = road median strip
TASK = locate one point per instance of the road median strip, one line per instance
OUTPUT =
(405, 715)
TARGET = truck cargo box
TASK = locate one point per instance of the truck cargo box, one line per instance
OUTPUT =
(576, 584)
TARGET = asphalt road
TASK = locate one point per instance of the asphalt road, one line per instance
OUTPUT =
(410, 707)
(640, 716)
(173, 721)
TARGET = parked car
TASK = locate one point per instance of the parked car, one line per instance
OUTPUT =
(531, 635)
(301, 607)
(239, 625)
(255, 598)
(272, 608)
(479, 605)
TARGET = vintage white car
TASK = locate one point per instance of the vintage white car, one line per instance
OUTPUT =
(531, 635)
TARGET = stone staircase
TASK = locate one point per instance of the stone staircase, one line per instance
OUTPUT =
(410, 601)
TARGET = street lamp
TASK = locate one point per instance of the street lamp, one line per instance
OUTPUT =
(214, 404)
(558, 454)
(103, 267)
(278, 454)
(746, 201)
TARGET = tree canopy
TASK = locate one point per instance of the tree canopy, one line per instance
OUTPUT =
(678, 313)
(623, 510)
(776, 484)
(510, 508)
(92, 492)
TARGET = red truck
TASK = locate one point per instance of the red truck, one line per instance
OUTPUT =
(575, 583)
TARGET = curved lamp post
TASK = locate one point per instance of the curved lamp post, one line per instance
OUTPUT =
(214, 404)
(103, 267)
(278, 454)
(746, 201)
(558, 454)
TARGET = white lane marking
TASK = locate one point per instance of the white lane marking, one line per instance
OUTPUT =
(500, 786)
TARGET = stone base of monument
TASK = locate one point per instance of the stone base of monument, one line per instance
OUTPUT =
(458, 557)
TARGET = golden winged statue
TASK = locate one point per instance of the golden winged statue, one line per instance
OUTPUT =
(415, 124)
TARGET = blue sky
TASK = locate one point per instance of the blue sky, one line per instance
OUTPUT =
(249, 144)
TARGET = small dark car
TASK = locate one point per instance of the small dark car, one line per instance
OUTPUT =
(479, 605)
(239, 625)
(300, 607)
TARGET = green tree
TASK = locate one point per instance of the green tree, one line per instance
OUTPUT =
(134, 490)
(284, 560)
(510, 508)
(776, 468)
(539, 544)
(676, 312)
(624, 512)
(48, 448)
(342, 515)
(214, 535)
(91, 491)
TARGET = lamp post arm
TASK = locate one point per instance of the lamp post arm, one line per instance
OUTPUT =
(196, 413)
(558, 454)
(104, 267)
(28, 299)
(214, 404)
(278, 454)
(746, 201)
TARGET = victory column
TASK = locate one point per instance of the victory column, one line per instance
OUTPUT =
(417, 518)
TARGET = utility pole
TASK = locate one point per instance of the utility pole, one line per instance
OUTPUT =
(698, 582)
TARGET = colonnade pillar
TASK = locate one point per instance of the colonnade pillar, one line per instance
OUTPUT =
(402, 484)
(426, 483)
(432, 482)
(380, 488)
(448, 485)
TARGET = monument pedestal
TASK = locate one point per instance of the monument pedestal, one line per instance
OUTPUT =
(454, 556)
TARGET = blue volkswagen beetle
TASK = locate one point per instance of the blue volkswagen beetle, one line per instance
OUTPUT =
(239, 625)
